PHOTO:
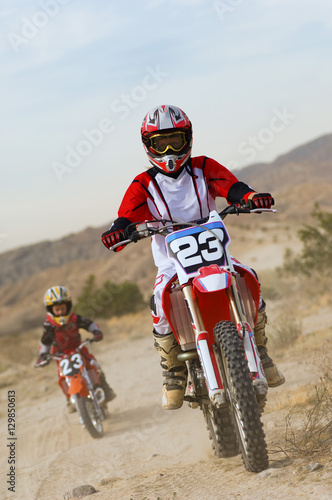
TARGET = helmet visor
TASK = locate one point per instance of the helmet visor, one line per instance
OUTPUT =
(160, 143)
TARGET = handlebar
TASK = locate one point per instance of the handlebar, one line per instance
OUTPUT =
(59, 356)
(139, 231)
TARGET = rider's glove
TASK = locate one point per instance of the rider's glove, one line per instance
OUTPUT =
(261, 200)
(42, 360)
(110, 238)
(98, 335)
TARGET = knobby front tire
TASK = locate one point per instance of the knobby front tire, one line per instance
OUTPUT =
(91, 422)
(241, 398)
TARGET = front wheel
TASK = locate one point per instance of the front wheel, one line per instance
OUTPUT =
(88, 415)
(241, 397)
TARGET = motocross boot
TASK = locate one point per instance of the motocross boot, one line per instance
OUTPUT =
(71, 408)
(109, 393)
(175, 372)
(273, 375)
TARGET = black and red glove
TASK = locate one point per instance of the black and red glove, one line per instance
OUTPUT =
(111, 237)
(97, 335)
(261, 200)
(43, 360)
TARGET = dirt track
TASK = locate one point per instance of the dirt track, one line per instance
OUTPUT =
(146, 453)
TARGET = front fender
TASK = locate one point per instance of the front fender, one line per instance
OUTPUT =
(212, 279)
(77, 385)
(210, 288)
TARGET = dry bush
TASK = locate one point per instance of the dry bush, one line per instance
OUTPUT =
(286, 331)
(286, 400)
(309, 430)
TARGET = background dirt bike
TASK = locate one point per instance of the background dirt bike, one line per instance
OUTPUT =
(84, 388)
(212, 305)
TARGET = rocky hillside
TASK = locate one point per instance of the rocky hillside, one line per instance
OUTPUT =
(29, 260)
(297, 179)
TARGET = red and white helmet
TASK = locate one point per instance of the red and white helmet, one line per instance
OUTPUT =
(167, 138)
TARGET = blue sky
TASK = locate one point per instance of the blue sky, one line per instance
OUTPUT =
(77, 78)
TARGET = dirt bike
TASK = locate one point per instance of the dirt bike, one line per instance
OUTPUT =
(84, 390)
(212, 306)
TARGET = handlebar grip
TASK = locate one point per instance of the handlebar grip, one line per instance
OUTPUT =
(120, 244)
(43, 363)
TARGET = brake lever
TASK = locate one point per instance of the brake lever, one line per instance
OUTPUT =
(120, 244)
(260, 210)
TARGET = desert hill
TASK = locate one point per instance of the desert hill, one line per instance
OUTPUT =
(297, 179)
(309, 163)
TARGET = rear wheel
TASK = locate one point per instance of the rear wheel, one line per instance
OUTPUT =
(241, 398)
(221, 431)
(218, 420)
(90, 420)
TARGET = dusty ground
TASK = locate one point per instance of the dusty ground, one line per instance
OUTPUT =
(146, 453)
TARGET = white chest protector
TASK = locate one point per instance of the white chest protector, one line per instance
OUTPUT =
(182, 200)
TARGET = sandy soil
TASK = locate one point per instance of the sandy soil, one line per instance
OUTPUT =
(146, 453)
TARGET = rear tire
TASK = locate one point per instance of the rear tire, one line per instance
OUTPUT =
(87, 412)
(221, 431)
(241, 397)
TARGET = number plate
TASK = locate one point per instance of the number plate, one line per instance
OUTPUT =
(71, 366)
(196, 247)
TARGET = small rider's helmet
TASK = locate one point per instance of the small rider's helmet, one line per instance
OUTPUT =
(58, 295)
(167, 138)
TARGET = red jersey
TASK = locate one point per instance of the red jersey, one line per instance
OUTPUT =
(65, 337)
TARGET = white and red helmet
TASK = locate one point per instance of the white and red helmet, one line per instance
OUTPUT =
(167, 138)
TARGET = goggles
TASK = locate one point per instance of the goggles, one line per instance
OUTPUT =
(161, 143)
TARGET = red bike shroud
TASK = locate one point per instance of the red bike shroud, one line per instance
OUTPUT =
(214, 306)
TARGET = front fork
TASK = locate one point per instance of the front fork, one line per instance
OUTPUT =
(245, 332)
(93, 395)
(205, 350)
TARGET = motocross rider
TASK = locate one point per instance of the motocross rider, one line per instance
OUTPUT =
(61, 335)
(181, 188)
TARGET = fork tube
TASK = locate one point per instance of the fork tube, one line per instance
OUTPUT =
(196, 316)
(235, 303)
(204, 349)
(244, 330)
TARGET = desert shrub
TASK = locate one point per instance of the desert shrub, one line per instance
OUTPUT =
(316, 253)
(286, 330)
(112, 299)
(309, 430)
